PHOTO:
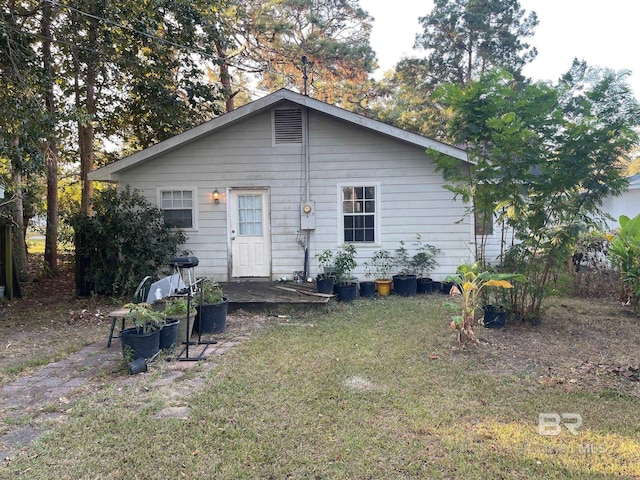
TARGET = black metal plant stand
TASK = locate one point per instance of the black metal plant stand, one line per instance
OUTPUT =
(192, 285)
(200, 341)
(184, 354)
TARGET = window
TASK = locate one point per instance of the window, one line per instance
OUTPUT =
(484, 223)
(250, 215)
(483, 212)
(359, 214)
(177, 206)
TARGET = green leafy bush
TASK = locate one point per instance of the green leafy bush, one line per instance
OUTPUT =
(325, 262)
(424, 261)
(211, 293)
(122, 242)
(176, 307)
(382, 262)
(144, 317)
(345, 262)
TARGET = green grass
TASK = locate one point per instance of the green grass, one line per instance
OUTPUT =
(367, 390)
(35, 244)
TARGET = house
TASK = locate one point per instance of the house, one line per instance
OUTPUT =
(626, 204)
(261, 190)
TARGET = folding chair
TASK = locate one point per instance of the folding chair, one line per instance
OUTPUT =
(142, 292)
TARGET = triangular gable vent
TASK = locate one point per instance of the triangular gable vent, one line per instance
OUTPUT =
(287, 126)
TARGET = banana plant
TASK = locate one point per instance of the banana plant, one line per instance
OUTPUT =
(469, 282)
(624, 253)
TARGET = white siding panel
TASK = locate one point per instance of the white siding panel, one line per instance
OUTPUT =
(412, 199)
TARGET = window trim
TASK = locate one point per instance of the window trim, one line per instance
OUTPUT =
(483, 214)
(194, 208)
(376, 215)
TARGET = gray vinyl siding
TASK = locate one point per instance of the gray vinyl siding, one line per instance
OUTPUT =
(412, 199)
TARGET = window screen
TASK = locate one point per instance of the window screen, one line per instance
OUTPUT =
(177, 206)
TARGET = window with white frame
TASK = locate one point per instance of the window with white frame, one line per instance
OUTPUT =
(178, 208)
(359, 212)
(483, 211)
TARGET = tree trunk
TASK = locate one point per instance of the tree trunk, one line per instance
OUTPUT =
(51, 149)
(85, 128)
(17, 233)
(85, 142)
(225, 80)
(469, 61)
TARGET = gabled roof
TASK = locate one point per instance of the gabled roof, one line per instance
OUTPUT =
(107, 173)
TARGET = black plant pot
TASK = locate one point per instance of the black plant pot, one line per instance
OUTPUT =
(169, 334)
(425, 285)
(325, 284)
(139, 345)
(446, 287)
(212, 317)
(436, 287)
(367, 289)
(405, 285)
(494, 316)
(346, 292)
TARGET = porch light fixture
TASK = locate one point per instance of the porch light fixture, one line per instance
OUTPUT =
(216, 196)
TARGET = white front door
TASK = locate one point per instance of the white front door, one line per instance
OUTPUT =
(250, 233)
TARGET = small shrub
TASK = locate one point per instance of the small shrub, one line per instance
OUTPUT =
(382, 262)
(345, 262)
(424, 261)
(144, 316)
(419, 264)
(177, 307)
(325, 262)
(211, 293)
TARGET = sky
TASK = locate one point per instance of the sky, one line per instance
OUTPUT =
(603, 33)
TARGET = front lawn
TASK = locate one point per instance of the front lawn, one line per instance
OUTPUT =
(374, 389)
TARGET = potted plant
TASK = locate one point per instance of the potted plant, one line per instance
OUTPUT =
(180, 315)
(494, 303)
(368, 286)
(325, 280)
(143, 339)
(423, 262)
(346, 286)
(405, 282)
(212, 308)
(382, 262)
(495, 315)
(469, 282)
